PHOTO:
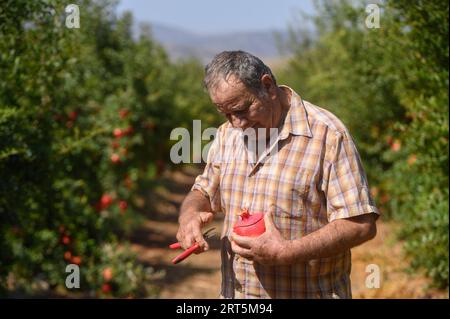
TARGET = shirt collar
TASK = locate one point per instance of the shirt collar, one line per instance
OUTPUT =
(296, 120)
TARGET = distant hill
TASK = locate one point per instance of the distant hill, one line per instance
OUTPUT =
(180, 43)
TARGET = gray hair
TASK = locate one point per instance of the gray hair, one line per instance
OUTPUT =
(246, 67)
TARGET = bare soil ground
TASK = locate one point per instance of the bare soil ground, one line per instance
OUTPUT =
(199, 275)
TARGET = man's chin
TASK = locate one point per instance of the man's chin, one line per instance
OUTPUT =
(254, 127)
(243, 128)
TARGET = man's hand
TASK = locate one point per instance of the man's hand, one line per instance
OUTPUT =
(190, 230)
(270, 248)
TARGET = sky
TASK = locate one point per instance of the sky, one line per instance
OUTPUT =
(218, 16)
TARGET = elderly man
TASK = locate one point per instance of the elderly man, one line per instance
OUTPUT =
(311, 185)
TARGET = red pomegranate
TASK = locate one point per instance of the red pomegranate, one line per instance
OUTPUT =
(76, 260)
(106, 288)
(118, 133)
(123, 113)
(107, 274)
(123, 205)
(65, 240)
(115, 158)
(250, 224)
(106, 200)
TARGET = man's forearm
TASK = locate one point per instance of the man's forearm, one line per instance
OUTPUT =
(333, 239)
(195, 201)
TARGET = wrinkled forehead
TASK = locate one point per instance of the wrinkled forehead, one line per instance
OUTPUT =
(229, 91)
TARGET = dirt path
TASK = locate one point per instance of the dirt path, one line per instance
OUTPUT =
(199, 275)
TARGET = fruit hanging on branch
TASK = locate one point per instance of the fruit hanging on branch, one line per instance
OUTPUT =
(118, 133)
(107, 274)
(123, 205)
(106, 201)
(115, 158)
(65, 240)
(123, 113)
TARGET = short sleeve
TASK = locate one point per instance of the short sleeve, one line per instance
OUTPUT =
(344, 180)
(208, 183)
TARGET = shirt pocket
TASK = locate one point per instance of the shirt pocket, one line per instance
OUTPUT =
(290, 213)
(300, 193)
(293, 193)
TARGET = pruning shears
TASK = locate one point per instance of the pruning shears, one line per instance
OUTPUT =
(207, 235)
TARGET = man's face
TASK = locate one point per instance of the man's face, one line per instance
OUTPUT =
(241, 106)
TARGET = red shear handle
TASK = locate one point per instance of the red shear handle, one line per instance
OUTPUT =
(186, 253)
(175, 246)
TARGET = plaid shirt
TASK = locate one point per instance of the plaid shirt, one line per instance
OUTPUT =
(313, 175)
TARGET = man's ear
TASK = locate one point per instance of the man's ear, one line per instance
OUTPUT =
(269, 85)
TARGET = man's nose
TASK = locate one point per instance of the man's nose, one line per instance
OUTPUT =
(238, 121)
